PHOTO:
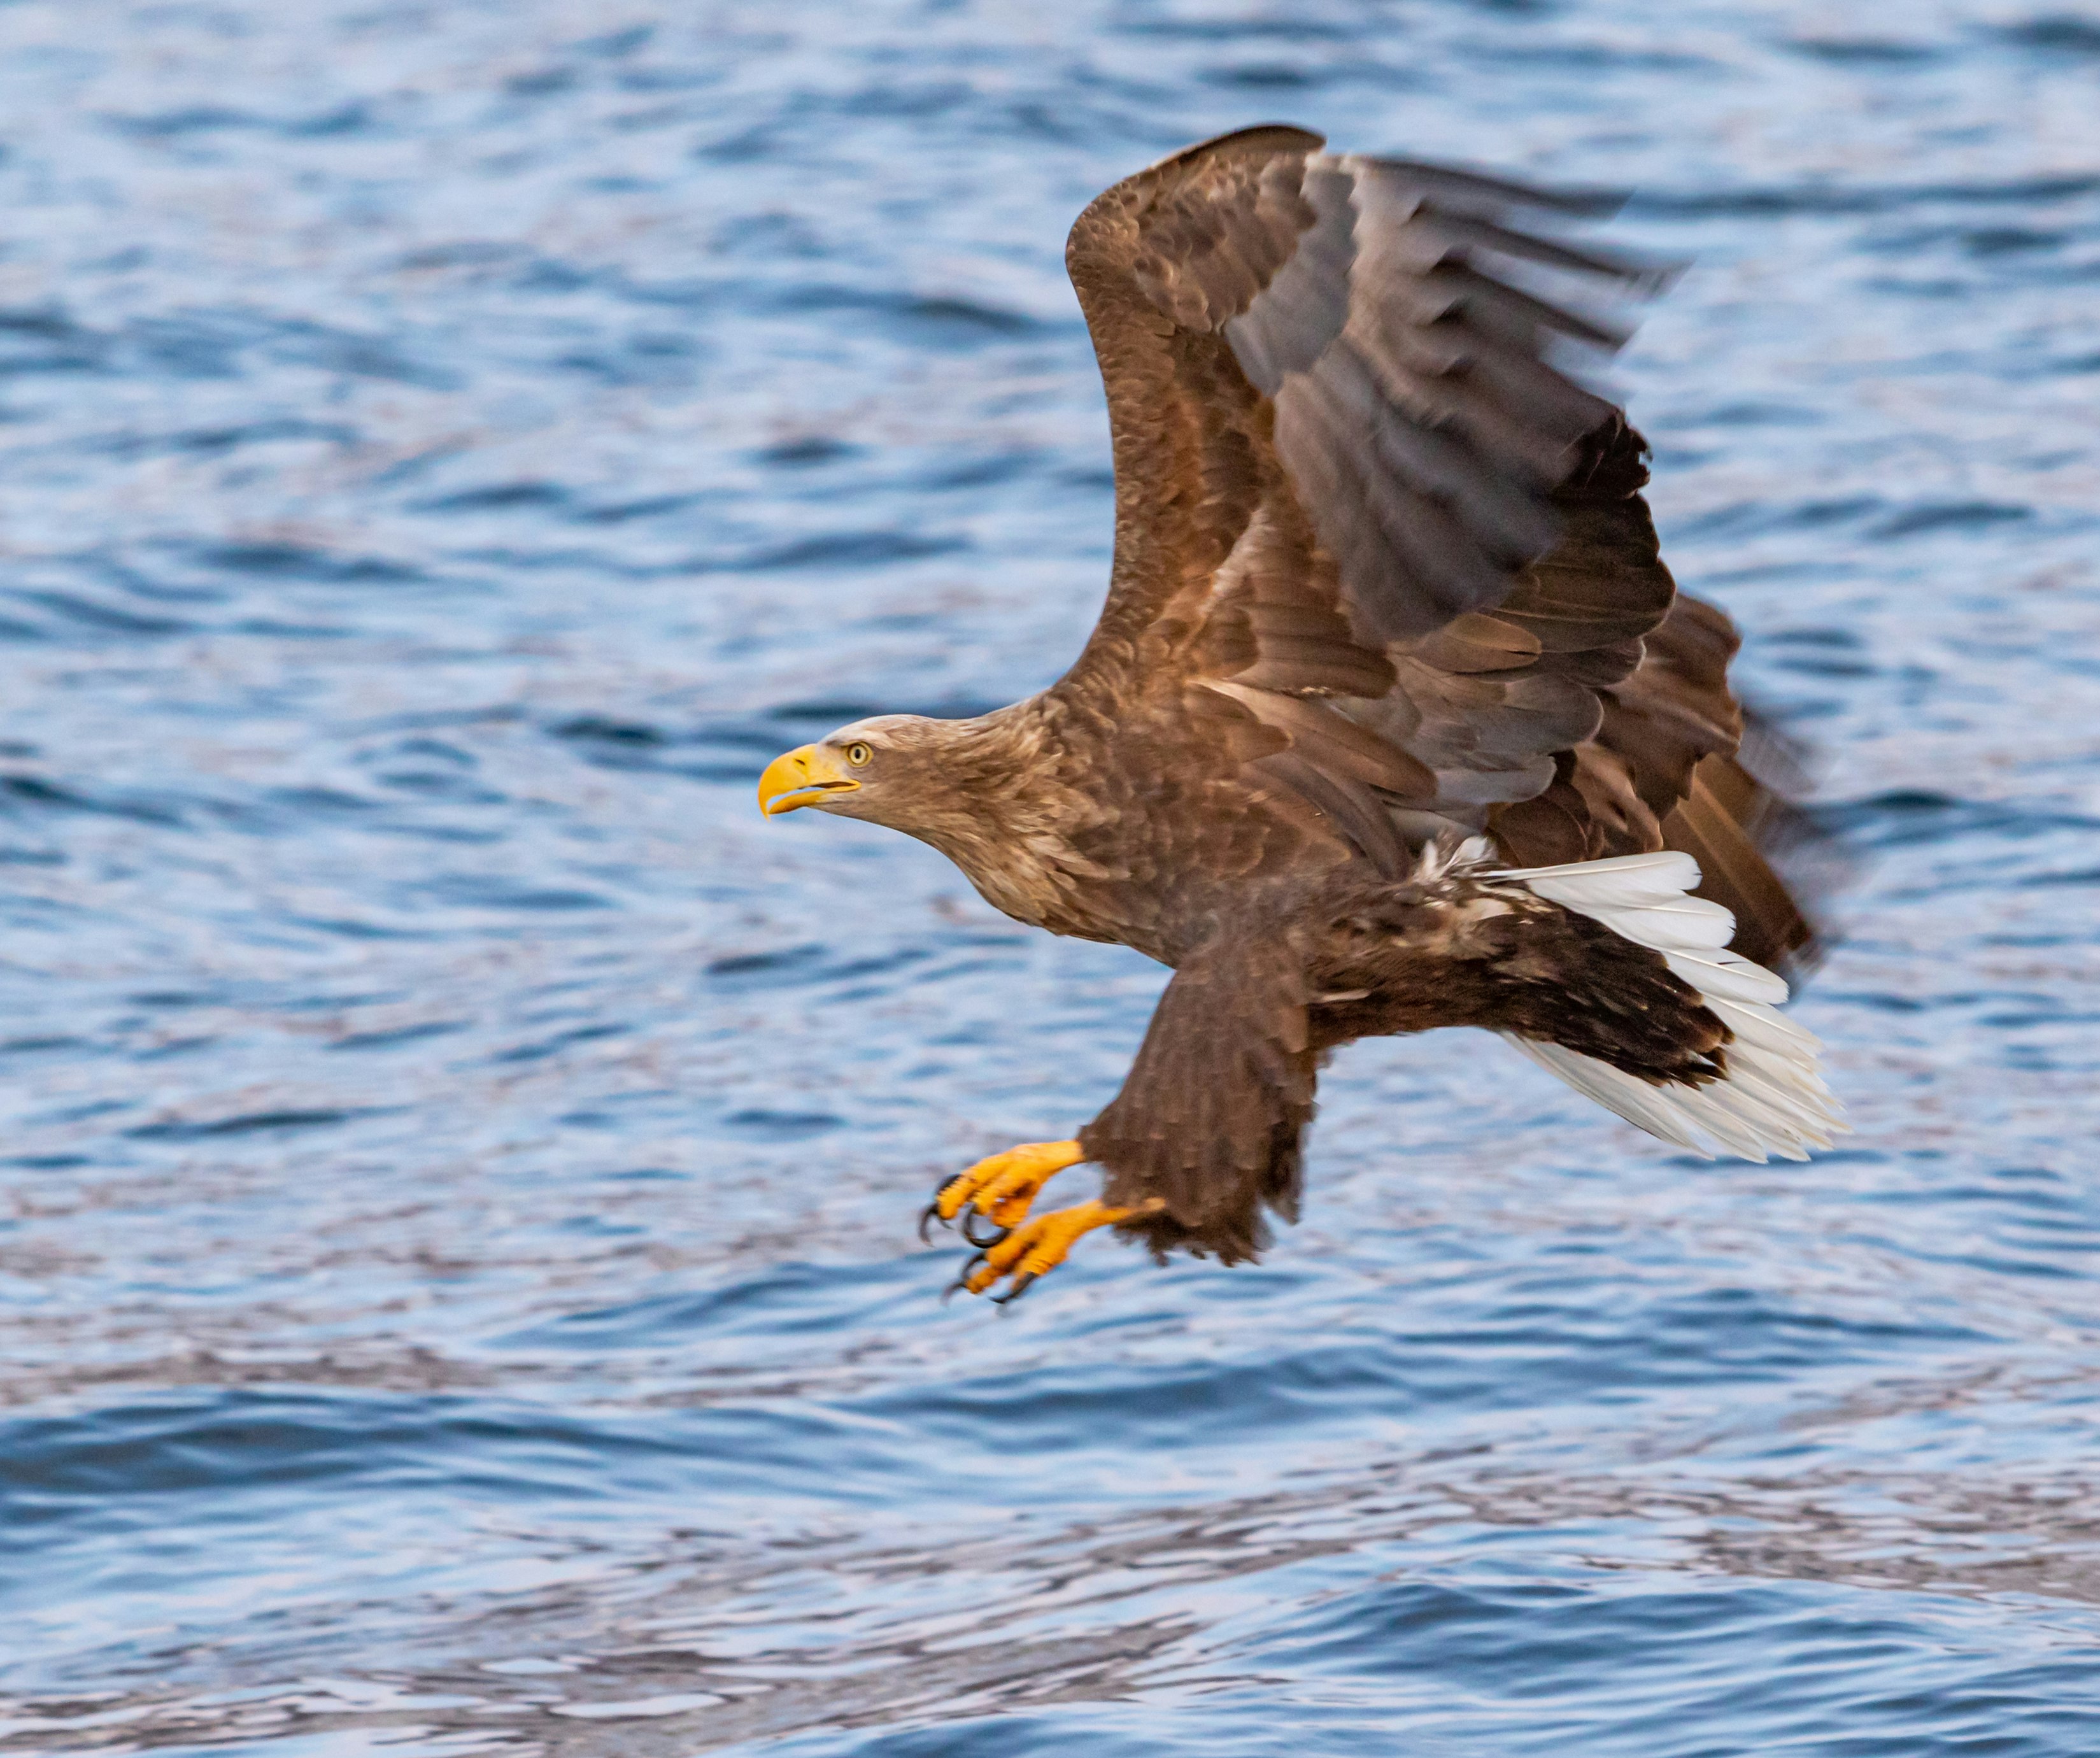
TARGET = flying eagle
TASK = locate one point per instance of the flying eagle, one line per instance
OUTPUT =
(1393, 718)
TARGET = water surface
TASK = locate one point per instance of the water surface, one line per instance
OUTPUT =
(457, 1284)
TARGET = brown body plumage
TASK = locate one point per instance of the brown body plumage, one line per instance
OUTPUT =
(1384, 586)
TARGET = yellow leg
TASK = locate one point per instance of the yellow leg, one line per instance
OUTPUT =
(1002, 1187)
(1030, 1251)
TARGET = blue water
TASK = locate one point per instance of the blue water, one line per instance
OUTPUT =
(458, 1290)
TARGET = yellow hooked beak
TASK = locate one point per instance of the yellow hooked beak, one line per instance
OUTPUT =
(801, 778)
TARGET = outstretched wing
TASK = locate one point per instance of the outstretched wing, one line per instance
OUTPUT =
(1359, 507)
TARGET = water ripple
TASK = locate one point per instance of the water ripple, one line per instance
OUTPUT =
(458, 1288)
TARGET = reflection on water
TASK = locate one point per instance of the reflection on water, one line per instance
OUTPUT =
(457, 1283)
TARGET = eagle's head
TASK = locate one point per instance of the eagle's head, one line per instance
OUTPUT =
(895, 769)
(980, 790)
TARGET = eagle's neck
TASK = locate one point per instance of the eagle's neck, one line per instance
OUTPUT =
(1008, 814)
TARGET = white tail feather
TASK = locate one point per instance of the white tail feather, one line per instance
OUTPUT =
(1673, 928)
(1772, 1099)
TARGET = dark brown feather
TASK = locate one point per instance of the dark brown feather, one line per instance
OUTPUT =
(1212, 1114)
(1380, 491)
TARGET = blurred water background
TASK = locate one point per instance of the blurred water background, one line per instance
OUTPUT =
(457, 1284)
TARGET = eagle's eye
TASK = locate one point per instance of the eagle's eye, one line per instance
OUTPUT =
(858, 754)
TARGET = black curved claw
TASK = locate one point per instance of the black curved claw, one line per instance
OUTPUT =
(968, 1217)
(1022, 1284)
(962, 1282)
(932, 1211)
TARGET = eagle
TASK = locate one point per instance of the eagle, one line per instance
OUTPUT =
(1393, 718)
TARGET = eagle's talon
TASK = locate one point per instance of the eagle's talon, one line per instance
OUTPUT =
(1003, 1186)
(961, 1283)
(982, 1243)
(1031, 1250)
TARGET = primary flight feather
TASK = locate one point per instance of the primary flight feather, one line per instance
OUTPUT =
(1394, 718)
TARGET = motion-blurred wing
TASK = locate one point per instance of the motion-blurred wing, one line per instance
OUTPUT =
(1356, 501)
